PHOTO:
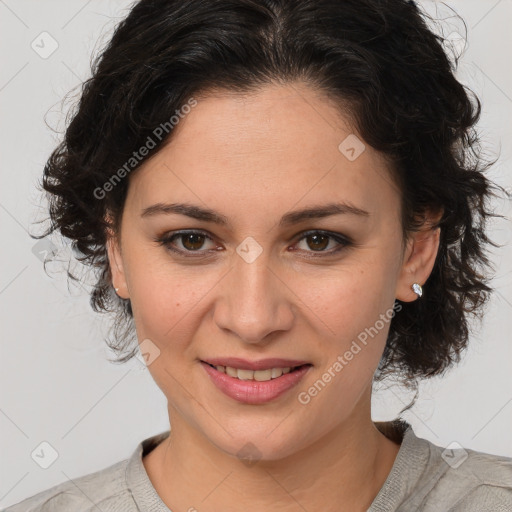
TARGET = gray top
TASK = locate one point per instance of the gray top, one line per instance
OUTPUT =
(424, 477)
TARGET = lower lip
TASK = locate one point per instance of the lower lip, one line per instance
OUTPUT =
(253, 391)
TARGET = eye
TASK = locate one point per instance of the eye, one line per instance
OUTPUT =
(190, 241)
(318, 241)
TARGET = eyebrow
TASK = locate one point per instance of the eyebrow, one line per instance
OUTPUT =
(295, 217)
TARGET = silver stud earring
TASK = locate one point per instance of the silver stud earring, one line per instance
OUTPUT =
(117, 289)
(417, 289)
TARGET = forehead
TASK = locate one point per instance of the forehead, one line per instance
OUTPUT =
(281, 145)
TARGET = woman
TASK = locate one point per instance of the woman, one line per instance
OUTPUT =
(285, 204)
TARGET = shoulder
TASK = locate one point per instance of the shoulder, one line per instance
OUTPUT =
(96, 491)
(484, 482)
(465, 480)
(451, 478)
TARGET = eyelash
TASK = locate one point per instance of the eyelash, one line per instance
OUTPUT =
(167, 239)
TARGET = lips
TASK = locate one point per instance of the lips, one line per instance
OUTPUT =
(253, 391)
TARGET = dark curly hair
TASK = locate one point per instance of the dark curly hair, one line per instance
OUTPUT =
(381, 62)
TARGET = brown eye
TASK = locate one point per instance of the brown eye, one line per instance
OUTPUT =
(318, 242)
(192, 241)
(186, 243)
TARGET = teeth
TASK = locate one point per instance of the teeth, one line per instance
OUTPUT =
(276, 372)
(232, 372)
(246, 374)
(259, 375)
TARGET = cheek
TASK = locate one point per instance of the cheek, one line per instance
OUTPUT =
(353, 310)
(346, 299)
(167, 297)
(167, 302)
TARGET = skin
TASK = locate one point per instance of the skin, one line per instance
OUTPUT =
(253, 158)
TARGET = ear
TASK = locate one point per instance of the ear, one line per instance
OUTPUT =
(419, 257)
(115, 259)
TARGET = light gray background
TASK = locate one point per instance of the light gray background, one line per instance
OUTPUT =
(56, 383)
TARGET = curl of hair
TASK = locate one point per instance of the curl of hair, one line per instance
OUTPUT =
(382, 64)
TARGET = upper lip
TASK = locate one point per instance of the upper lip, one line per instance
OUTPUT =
(262, 364)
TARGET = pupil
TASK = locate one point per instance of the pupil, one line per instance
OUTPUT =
(190, 239)
(317, 237)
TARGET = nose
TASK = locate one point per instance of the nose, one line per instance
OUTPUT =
(254, 301)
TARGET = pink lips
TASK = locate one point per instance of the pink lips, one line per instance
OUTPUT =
(252, 391)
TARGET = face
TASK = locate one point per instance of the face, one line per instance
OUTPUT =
(264, 284)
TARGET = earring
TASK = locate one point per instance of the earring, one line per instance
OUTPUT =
(417, 289)
(117, 289)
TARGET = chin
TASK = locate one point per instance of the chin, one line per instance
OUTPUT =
(261, 444)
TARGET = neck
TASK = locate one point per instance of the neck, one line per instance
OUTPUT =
(343, 470)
